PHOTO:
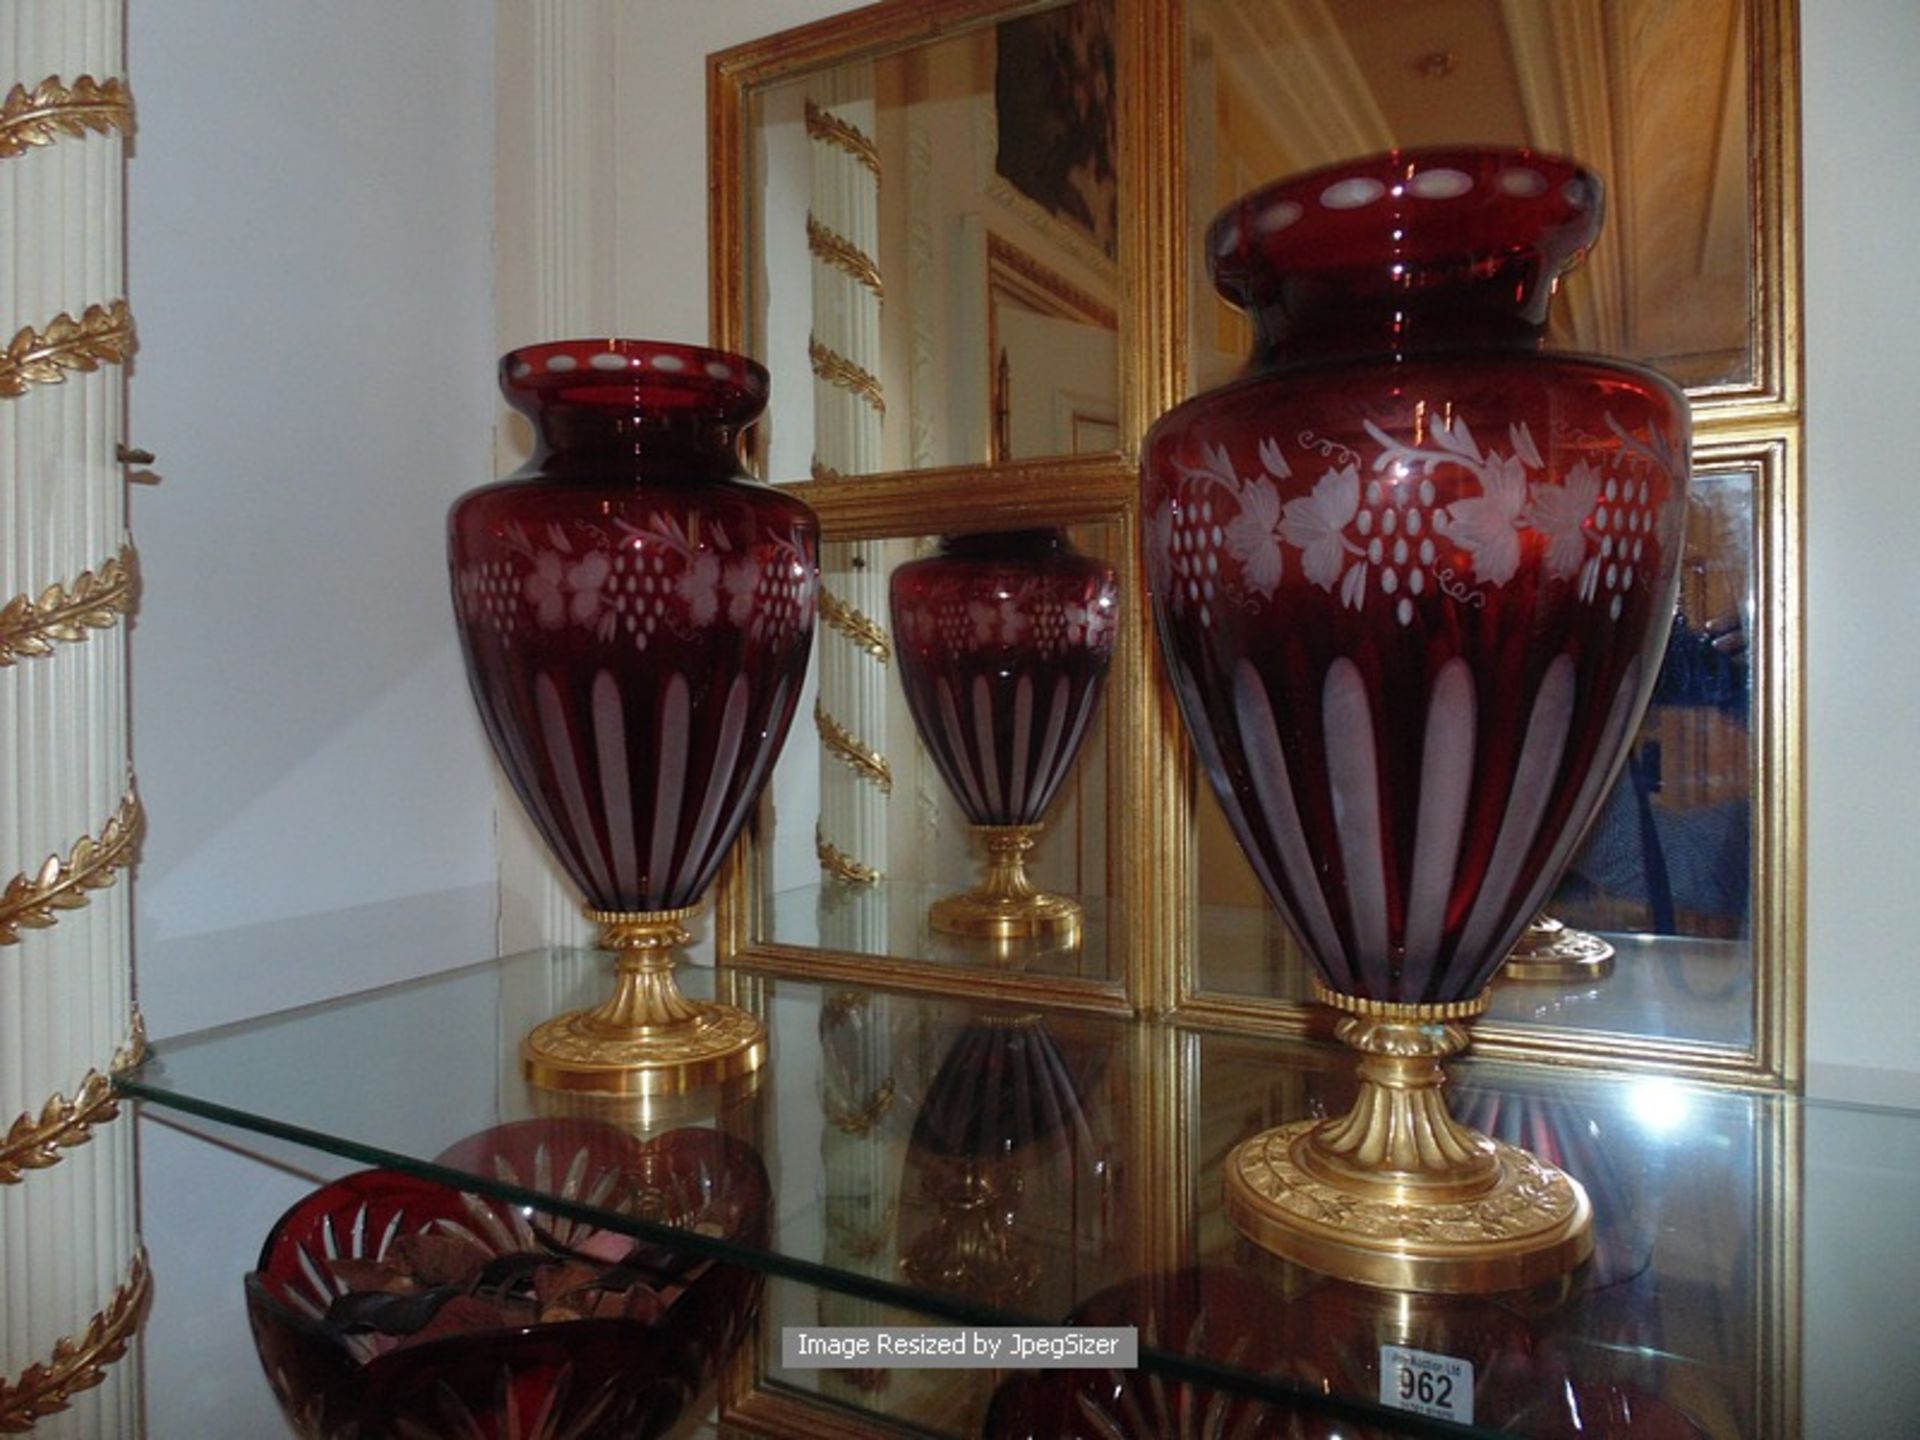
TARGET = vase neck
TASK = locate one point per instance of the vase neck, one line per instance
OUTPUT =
(673, 443)
(1005, 545)
(680, 407)
(1404, 254)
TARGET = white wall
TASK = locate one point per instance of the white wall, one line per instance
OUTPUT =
(1862, 207)
(311, 266)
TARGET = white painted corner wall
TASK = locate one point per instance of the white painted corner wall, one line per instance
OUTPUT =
(310, 248)
(311, 261)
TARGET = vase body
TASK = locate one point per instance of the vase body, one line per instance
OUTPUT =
(1412, 576)
(1004, 643)
(636, 615)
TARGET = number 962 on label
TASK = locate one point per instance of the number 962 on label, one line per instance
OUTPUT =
(1426, 1384)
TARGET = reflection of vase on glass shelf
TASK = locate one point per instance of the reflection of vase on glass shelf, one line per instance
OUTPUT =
(636, 615)
(1548, 950)
(1005, 1101)
(1326, 1345)
(1004, 642)
(1413, 578)
(1225, 1317)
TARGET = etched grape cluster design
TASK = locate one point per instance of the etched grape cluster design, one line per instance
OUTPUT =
(1374, 525)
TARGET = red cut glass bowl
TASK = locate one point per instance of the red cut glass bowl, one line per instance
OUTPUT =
(592, 1379)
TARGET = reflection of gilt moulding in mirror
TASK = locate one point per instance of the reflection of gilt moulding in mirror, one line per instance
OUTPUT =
(1004, 642)
(908, 173)
(1413, 579)
(636, 615)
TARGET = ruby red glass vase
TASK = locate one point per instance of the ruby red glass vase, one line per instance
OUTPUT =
(636, 615)
(1004, 643)
(1412, 578)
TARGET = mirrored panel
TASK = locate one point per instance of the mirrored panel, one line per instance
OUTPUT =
(933, 238)
(1667, 875)
(1652, 94)
(952, 804)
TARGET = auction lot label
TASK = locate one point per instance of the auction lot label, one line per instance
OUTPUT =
(1426, 1383)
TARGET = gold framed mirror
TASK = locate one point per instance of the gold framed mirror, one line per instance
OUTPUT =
(998, 346)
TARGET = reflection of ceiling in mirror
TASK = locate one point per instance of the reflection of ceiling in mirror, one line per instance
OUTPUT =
(1651, 93)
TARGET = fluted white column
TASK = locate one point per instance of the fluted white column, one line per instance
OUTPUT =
(73, 1283)
(849, 406)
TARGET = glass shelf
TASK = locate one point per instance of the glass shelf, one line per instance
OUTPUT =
(883, 1118)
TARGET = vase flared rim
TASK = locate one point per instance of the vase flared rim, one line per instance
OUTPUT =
(1314, 219)
(664, 374)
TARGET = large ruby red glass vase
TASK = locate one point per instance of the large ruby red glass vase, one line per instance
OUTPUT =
(1004, 642)
(636, 615)
(1412, 577)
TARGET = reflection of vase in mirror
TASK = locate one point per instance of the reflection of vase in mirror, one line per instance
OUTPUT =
(1004, 642)
(1549, 950)
(636, 615)
(1582, 1139)
(1412, 577)
(1005, 1105)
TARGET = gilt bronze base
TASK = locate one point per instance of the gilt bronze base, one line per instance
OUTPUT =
(1397, 1194)
(1548, 950)
(1007, 906)
(647, 1038)
(974, 1248)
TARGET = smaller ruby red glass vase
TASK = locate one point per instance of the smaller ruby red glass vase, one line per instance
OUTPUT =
(1412, 577)
(1004, 642)
(636, 615)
